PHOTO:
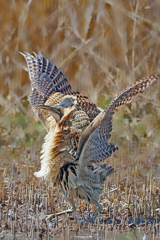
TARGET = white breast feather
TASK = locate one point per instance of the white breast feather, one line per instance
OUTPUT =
(46, 162)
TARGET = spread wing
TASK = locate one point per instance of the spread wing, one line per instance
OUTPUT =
(94, 145)
(49, 87)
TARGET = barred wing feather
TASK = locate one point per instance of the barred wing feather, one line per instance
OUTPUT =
(94, 140)
(49, 86)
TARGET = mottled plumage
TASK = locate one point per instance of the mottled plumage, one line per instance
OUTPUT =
(49, 87)
(99, 130)
(78, 133)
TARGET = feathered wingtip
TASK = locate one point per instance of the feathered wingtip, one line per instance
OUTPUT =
(27, 56)
(38, 64)
(31, 63)
(24, 55)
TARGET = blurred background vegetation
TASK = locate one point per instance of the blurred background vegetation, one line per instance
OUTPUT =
(101, 47)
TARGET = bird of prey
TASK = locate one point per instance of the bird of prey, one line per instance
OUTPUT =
(77, 142)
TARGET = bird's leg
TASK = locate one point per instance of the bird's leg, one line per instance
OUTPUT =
(73, 208)
(99, 206)
(71, 201)
(92, 219)
(99, 209)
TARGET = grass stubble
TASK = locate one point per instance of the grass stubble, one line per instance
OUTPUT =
(115, 43)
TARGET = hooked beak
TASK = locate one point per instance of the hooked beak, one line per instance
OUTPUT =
(54, 111)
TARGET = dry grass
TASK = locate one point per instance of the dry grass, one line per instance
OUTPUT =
(129, 204)
(101, 47)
